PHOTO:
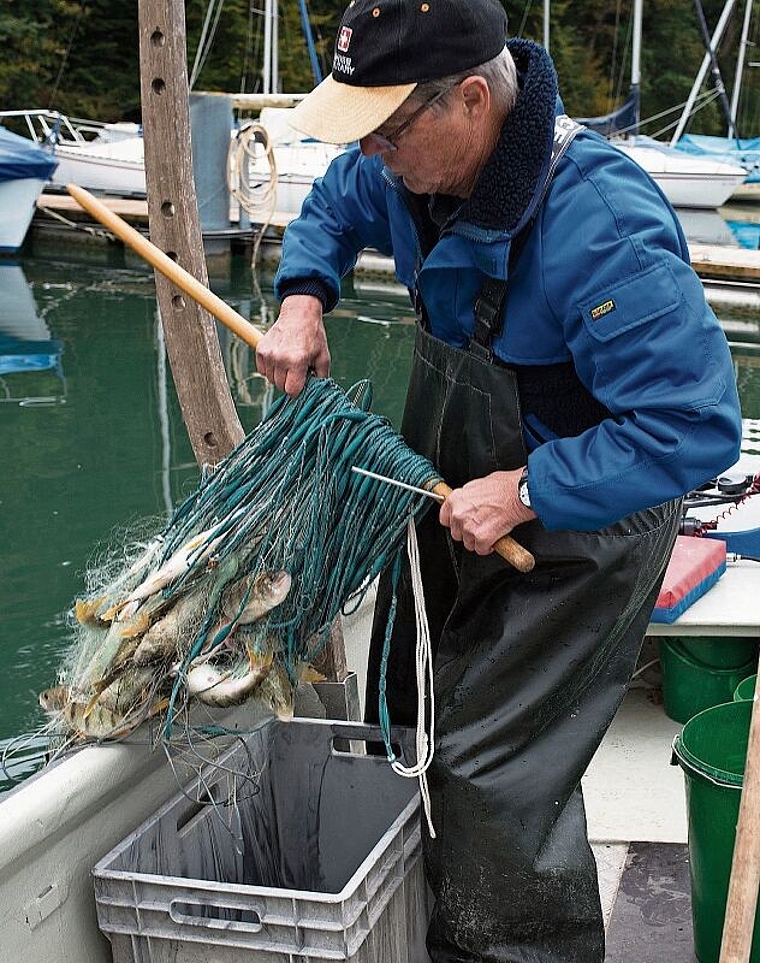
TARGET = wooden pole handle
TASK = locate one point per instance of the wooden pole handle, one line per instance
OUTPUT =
(507, 547)
(185, 281)
(741, 903)
(510, 550)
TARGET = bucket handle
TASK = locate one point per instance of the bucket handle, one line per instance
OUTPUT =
(679, 757)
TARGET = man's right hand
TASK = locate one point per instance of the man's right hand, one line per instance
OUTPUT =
(295, 343)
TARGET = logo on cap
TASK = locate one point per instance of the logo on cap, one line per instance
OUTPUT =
(344, 39)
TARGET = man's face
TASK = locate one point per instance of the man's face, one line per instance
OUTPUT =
(425, 144)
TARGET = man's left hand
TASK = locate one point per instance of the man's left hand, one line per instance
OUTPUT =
(484, 509)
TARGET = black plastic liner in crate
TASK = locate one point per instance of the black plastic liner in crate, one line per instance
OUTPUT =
(296, 846)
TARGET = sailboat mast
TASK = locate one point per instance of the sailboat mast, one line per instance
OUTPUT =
(271, 79)
(714, 42)
(740, 62)
(547, 5)
(275, 48)
(715, 69)
(267, 72)
(638, 16)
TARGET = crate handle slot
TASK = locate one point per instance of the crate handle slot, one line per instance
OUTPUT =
(363, 747)
(216, 916)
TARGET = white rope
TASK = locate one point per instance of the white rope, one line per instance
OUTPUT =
(246, 146)
(425, 742)
(257, 201)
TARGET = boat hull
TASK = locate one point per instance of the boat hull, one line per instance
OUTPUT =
(56, 825)
(17, 205)
(686, 181)
(296, 167)
(685, 190)
(114, 169)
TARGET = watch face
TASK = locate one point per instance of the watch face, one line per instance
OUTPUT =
(522, 490)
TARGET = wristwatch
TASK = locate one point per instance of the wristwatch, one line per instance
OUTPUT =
(522, 489)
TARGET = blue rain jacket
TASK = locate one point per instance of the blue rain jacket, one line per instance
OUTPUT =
(603, 281)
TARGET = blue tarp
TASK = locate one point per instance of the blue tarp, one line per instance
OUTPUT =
(17, 354)
(747, 234)
(21, 157)
(744, 151)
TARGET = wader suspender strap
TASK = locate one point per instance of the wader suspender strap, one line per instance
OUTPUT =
(489, 305)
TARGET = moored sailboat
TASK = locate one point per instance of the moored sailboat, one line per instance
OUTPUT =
(25, 168)
(689, 182)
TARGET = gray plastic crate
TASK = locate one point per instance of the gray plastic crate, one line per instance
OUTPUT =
(303, 847)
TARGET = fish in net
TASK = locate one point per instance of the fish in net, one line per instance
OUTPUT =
(235, 598)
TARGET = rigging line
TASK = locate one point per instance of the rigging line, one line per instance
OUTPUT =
(526, 11)
(702, 101)
(696, 108)
(614, 55)
(323, 47)
(213, 33)
(306, 25)
(706, 96)
(201, 42)
(205, 49)
(257, 53)
(66, 55)
(163, 417)
(248, 47)
(624, 62)
(717, 77)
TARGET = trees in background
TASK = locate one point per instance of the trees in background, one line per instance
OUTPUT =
(81, 56)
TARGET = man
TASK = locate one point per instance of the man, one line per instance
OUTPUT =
(569, 382)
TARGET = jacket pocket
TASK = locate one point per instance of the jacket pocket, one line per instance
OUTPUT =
(626, 305)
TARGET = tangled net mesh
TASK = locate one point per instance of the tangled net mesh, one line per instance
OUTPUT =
(235, 597)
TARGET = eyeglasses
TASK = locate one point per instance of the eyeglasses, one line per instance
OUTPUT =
(387, 142)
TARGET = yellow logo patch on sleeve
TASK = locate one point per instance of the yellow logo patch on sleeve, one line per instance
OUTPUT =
(601, 309)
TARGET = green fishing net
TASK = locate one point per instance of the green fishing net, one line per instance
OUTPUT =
(283, 511)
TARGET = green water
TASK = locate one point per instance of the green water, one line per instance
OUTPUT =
(96, 444)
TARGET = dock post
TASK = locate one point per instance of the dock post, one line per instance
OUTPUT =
(210, 133)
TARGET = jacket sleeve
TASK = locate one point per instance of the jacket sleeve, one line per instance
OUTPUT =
(645, 343)
(345, 212)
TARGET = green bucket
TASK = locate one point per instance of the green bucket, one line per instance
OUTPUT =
(689, 686)
(746, 689)
(721, 652)
(712, 750)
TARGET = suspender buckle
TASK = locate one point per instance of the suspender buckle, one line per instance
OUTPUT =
(483, 352)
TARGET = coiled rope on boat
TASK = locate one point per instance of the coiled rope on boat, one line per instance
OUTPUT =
(256, 196)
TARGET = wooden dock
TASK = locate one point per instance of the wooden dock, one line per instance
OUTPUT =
(725, 263)
(711, 262)
(134, 210)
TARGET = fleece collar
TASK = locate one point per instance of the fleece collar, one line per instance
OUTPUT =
(509, 187)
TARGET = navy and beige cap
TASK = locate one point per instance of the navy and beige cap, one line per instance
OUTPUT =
(384, 48)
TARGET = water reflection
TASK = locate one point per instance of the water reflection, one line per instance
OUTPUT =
(747, 234)
(706, 227)
(736, 225)
(29, 353)
(77, 476)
